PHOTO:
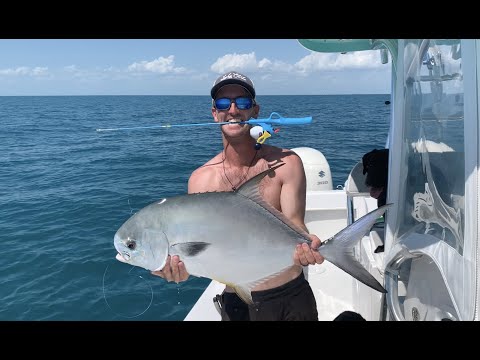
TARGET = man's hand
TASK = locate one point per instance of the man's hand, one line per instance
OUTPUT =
(308, 255)
(174, 270)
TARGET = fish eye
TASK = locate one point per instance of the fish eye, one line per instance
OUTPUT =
(131, 244)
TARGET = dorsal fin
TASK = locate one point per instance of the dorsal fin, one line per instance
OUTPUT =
(251, 190)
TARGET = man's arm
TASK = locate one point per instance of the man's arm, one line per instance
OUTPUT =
(292, 202)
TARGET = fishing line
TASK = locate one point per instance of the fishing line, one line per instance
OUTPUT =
(117, 313)
(131, 209)
(159, 126)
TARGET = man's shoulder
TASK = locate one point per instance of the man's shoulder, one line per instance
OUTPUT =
(210, 164)
(271, 150)
(274, 154)
(204, 175)
(204, 170)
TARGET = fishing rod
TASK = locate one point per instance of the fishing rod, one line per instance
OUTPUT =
(261, 130)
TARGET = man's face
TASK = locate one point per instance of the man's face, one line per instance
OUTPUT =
(234, 114)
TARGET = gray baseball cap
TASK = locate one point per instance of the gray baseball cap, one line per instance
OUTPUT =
(233, 77)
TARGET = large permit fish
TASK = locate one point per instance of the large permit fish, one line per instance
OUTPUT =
(235, 238)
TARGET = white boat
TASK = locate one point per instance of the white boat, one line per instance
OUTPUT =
(429, 265)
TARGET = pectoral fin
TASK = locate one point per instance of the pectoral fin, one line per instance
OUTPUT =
(190, 248)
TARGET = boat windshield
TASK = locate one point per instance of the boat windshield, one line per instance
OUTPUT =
(433, 175)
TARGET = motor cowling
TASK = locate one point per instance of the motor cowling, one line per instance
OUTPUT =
(317, 169)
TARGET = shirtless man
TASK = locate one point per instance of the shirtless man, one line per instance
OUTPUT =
(287, 296)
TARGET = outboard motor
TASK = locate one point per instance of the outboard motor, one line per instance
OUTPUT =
(317, 169)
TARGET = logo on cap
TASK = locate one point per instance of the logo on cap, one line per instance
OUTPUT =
(233, 75)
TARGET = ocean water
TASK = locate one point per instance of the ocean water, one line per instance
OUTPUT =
(66, 189)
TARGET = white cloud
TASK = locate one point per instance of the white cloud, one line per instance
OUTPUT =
(70, 68)
(25, 71)
(334, 61)
(248, 63)
(162, 65)
(75, 72)
(39, 71)
(239, 62)
(314, 62)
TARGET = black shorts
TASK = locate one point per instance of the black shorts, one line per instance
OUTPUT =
(292, 301)
(233, 308)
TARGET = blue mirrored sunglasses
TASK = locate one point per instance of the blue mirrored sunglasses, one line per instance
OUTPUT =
(242, 103)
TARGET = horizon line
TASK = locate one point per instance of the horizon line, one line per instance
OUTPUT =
(189, 95)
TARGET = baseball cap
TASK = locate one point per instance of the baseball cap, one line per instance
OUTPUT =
(232, 77)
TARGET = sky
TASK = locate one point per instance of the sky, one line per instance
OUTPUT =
(31, 67)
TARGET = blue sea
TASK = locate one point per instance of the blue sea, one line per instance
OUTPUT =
(66, 189)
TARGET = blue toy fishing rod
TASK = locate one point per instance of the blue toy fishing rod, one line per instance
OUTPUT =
(261, 130)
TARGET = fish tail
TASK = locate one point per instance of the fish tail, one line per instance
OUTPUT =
(339, 249)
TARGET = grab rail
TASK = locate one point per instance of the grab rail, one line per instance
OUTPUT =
(391, 281)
